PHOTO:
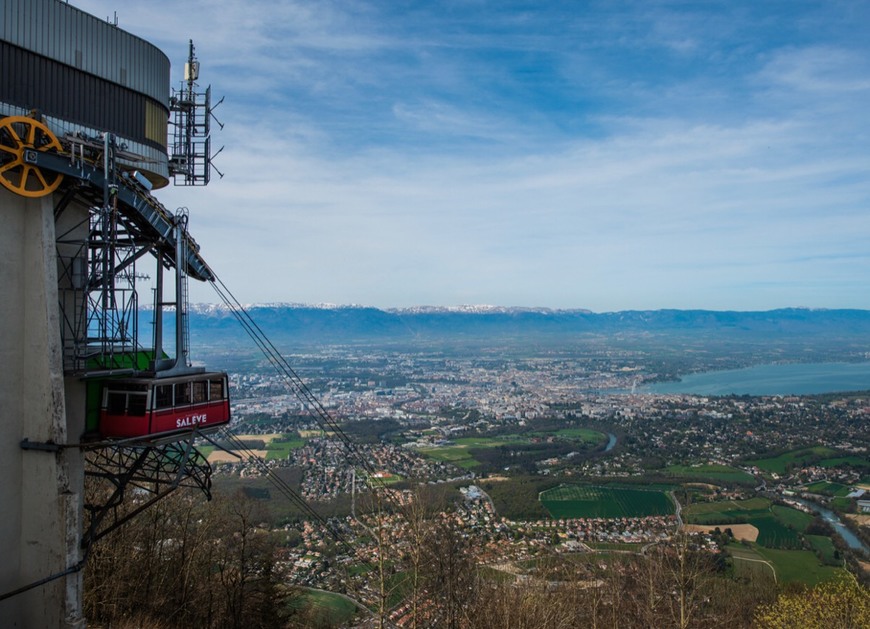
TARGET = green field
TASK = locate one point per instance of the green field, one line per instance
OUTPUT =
(825, 547)
(827, 488)
(281, 448)
(780, 463)
(747, 562)
(586, 435)
(725, 506)
(800, 566)
(798, 520)
(841, 503)
(778, 526)
(853, 461)
(712, 472)
(459, 453)
(590, 501)
(385, 479)
(328, 609)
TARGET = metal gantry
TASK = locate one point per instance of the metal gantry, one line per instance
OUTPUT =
(97, 253)
(150, 471)
(190, 163)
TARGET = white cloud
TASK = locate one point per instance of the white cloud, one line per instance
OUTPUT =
(616, 160)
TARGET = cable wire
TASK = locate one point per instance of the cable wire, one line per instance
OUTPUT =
(297, 385)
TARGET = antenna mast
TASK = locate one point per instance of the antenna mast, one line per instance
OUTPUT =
(190, 163)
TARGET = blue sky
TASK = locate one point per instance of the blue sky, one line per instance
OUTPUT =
(602, 155)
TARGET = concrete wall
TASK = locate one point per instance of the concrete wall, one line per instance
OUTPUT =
(40, 492)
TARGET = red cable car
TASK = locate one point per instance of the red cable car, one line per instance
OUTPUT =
(147, 407)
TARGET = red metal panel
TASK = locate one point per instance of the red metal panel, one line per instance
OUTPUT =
(123, 425)
(200, 417)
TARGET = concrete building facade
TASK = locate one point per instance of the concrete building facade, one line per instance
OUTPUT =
(80, 76)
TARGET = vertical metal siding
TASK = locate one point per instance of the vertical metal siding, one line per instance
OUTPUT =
(57, 30)
(30, 80)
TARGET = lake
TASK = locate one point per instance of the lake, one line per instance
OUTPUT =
(784, 379)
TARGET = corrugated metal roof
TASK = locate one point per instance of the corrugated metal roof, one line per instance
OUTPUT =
(67, 34)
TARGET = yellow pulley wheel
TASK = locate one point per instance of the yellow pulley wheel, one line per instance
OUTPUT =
(18, 136)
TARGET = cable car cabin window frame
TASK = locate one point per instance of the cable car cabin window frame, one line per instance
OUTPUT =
(142, 407)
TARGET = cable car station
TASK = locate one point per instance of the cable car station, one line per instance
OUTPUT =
(89, 127)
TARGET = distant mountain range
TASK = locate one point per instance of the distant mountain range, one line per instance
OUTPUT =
(303, 324)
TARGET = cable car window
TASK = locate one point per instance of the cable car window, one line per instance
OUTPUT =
(182, 393)
(216, 391)
(117, 403)
(199, 391)
(136, 404)
(163, 396)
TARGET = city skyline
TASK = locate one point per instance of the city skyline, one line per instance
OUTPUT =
(608, 156)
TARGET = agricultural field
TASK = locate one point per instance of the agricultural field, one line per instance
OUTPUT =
(461, 451)
(713, 473)
(330, 609)
(591, 501)
(790, 566)
(586, 435)
(800, 566)
(792, 518)
(741, 532)
(457, 455)
(725, 507)
(795, 458)
(385, 478)
(778, 526)
(827, 488)
(274, 446)
(460, 454)
(280, 447)
(825, 547)
(853, 461)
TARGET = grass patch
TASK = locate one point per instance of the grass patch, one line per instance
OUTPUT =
(386, 479)
(827, 488)
(726, 506)
(774, 534)
(746, 562)
(824, 546)
(777, 526)
(328, 608)
(712, 472)
(281, 449)
(841, 504)
(795, 458)
(853, 461)
(457, 455)
(590, 501)
(485, 442)
(800, 566)
(792, 518)
(586, 435)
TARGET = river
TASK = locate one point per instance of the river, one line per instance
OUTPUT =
(833, 519)
(778, 379)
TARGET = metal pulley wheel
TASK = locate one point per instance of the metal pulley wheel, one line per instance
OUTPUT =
(20, 136)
